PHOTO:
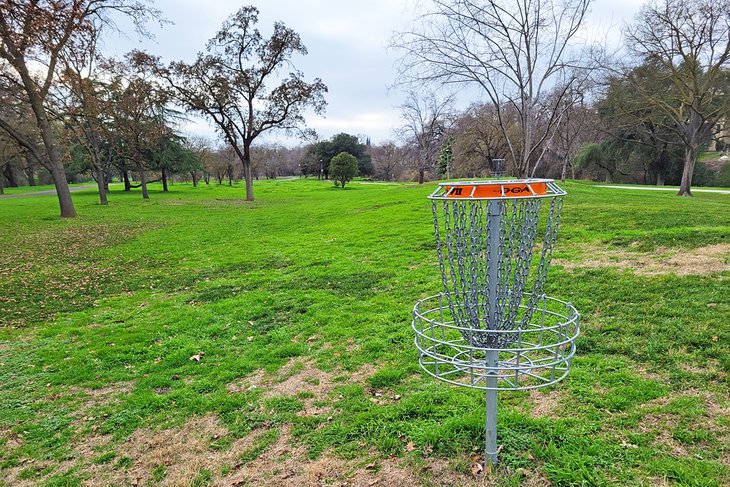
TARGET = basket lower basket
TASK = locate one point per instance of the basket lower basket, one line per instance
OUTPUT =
(539, 355)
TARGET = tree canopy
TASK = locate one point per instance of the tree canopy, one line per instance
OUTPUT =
(343, 167)
(238, 84)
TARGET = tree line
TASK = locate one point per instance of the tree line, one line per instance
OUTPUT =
(551, 104)
(65, 106)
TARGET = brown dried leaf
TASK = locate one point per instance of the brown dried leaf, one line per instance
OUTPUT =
(477, 469)
(626, 444)
(410, 446)
(197, 356)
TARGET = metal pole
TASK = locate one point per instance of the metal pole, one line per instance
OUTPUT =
(494, 217)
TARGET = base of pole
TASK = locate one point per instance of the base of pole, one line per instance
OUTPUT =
(490, 449)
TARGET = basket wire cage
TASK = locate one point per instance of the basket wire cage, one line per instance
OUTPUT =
(493, 328)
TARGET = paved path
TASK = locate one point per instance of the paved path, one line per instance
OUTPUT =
(664, 188)
(45, 193)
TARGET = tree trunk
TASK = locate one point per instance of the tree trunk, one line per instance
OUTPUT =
(29, 170)
(55, 164)
(194, 175)
(143, 181)
(565, 170)
(9, 173)
(101, 183)
(247, 173)
(2, 183)
(660, 178)
(420, 176)
(127, 184)
(62, 192)
(164, 180)
(687, 172)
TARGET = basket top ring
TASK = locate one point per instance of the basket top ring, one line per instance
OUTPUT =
(501, 189)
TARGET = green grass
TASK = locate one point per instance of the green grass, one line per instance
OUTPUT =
(100, 316)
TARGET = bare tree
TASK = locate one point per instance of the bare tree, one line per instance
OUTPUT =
(388, 159)
(237, 84)
(426, 120)
(690, 41)
(34, 37)
(577, 126)
(515, 51)
(203, 150)
(478, 139)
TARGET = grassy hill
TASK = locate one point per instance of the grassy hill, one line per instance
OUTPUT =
(199, 339)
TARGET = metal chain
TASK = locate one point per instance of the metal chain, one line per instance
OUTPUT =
(464, 241)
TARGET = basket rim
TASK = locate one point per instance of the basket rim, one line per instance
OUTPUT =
(551, 190)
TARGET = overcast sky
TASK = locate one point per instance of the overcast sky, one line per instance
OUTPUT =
(347, 42)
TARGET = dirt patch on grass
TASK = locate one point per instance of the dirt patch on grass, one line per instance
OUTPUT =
(180, 456)
(664, 422)
(303, 378)
(545, 403)
(664, 260)
(285, 464)
(177, 455)
(92, 398)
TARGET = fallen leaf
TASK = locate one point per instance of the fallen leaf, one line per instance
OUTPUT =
(250, 339)
(197, 356)
(410, 446)
(715, 338)
(626, 444)
(477, 469)
(396, 397)
(143, 305)
(476, 458)
(371, 466)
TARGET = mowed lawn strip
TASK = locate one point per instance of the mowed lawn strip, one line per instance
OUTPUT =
(271, 340)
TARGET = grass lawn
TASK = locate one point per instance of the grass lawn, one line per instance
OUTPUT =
(197, 339)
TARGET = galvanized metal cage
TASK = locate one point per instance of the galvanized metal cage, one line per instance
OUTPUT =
(492, 327)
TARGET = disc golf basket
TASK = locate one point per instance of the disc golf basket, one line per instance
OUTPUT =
(492, 327)
(498, 168)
